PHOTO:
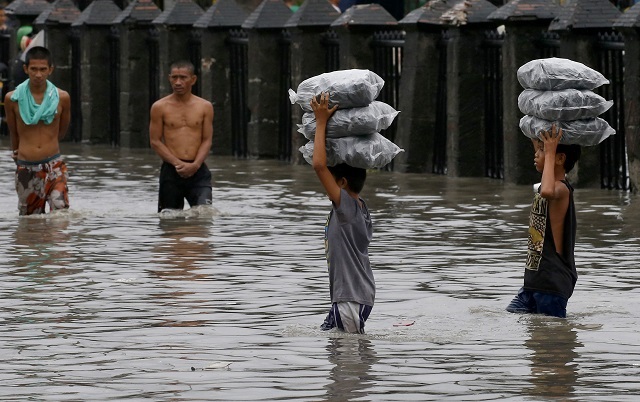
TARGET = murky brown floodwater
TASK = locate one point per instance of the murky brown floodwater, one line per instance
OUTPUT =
(112, 301)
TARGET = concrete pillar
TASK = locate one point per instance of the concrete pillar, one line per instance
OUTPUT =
(175, 26)
(308, 55)
(419, 90)
(519, 47)
(24, 12)
(523, 21)
(56, 22)
(95, 24)
(134, 24)
(631, 31)
(215, 25)
(264, 27)
(355, 28)
(465, 102)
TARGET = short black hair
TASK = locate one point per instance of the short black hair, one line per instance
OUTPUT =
(38, 53)
(572, 155)
(183, 64)
(355, 176)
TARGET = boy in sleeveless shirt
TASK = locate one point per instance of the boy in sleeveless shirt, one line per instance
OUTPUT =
(348, 233)
(550, 272)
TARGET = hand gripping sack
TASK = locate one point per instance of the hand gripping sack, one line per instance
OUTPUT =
(353, 121)
(566, 104)
(584, 132)
(361, 151)
(347, 88)
(554, 73)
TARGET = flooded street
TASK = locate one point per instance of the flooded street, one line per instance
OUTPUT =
(113, 301)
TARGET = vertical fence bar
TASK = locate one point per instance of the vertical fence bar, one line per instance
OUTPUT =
(238, 42)
(440, 135)
(331, 46)
(614, 169)
(548, 44)
(5, 38)
(154, 65)
(195, 56)
(387, 60)
(114, 85)
(76, 85)
(494, 139)
(387, 50)
(284, 125)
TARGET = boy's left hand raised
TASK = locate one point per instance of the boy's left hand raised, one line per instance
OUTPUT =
(551, 138)
(321, 108)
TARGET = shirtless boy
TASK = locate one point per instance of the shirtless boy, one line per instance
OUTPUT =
(38, 116)
(180, 131)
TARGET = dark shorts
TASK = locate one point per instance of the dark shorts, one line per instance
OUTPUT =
(538, 303)
(174, 189)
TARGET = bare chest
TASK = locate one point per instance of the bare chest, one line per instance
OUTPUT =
(182, 118)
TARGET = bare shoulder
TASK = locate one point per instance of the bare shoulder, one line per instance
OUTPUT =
(202, 102)
(562, 190)
(160, 103)
(63, 94)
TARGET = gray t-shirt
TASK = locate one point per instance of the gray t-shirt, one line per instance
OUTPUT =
(347, 236)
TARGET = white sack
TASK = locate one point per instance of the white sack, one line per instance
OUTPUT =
(585, 132)
(362, 151)
(555, 73)
(347, 88)
(566, 104)
(353, 121)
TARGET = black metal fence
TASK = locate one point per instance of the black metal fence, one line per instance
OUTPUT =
(331, 46)
(284, 127)
(75, 127)
(387, 63)
(194, 50)
(493, 101)
(238, 42)
(153, 41)
(440, 135)
(5, 65)
(114, 86)
(614, 171)
(548, 44)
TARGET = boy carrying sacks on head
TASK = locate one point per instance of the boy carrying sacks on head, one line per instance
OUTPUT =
(348, 232)
(550, 272)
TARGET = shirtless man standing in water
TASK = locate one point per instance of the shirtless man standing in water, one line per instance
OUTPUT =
(38, 116)
(180, 131)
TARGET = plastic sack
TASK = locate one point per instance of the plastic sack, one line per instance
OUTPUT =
(347, 88)
(554, 73)
(353, 121)
(566, 104)
(584, 132)
(362, 151)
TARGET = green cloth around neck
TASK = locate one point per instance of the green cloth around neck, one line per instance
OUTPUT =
(30, 111)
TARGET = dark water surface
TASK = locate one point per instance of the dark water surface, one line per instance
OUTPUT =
(112, 301)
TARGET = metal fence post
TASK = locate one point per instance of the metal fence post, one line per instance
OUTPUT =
(239, 76)
(614, 167)
(494, 139)
(114, 85)
(440, 136)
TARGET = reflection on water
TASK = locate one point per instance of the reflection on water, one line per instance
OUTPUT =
(112, 301)
(554, 366)
(350, 377)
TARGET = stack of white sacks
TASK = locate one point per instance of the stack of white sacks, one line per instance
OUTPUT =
(560, 91)
(353, 131)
